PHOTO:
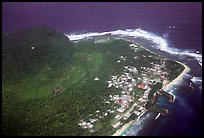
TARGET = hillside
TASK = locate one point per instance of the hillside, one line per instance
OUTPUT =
(52, 88)
(28, 51)
(32, 61)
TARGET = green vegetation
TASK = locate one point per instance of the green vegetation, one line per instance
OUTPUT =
(154, 89)
(138, 92)
(173, 69)
(29, 51)
(48, 89)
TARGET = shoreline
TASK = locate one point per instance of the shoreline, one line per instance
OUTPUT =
(165, 87)
(179, 78)
(121, 130)
(143, 47)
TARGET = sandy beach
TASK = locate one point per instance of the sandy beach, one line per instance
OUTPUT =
(177, 79)
(126, 126)
(165, 87)
(121, 130)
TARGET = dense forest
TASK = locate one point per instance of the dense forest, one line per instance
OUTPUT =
(48, 81)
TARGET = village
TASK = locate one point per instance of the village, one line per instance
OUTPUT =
(128, 102)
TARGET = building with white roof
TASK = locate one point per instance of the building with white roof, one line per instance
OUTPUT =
(117, 116)
(96, 79)
(116, 125)
(121, 109)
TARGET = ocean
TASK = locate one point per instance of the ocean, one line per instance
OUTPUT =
(174, 29)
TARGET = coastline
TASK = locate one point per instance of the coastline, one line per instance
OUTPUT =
(123, 128)
(178, 78)
(142, 47)
(120, 131)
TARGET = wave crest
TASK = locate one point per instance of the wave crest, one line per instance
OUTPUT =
(196, 79)
(160, 42)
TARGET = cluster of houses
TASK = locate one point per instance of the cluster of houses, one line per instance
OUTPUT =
(131, 69)
(146, 93)
(122, 58)
(124, 100)
(126, 83)
(86, 125)
(138, 111)
(120, 81)
(90, 123)
(133, 47)
(156, 70)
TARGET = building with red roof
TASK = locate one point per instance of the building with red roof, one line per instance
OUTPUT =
(142, 86)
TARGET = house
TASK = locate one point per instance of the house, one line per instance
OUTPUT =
(119, 101)
(161, 78)
(89, 125)
(117, 116)
(142, 86)
(93, 120)
(125, 105)
(112, 111)
(107, 102)
(105, 114)
(141, 100)
(133, 45)
(141, 108)
(116, 125)
(123, 92)
(115, 98)
(121, 109)
(96, 79)
(137, 113)
(127, 115)
(110, 85)
(145, 87)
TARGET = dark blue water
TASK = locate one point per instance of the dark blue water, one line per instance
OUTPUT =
(184, 118)
(185, 113)
(98, 17)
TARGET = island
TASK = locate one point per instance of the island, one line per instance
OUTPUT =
(96, 86)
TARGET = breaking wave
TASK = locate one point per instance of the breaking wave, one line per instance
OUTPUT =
(161, 42)
(135, 129)
(196, 80)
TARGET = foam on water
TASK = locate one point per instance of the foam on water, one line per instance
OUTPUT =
(138, 126)
(161, 42)
(196, 80)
